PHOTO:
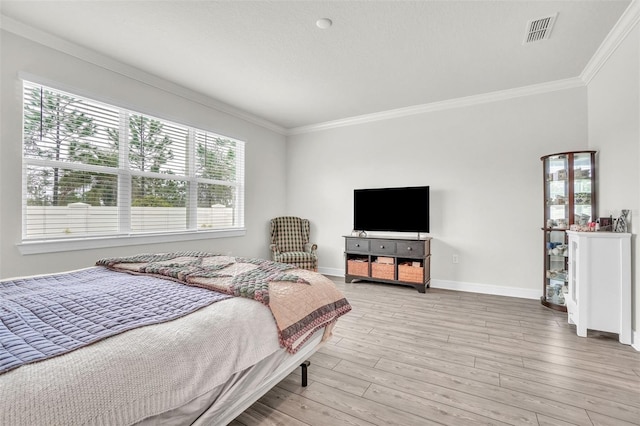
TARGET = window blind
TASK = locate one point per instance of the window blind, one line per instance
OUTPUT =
(92, 169)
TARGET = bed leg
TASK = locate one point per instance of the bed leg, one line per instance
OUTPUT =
(304, 366)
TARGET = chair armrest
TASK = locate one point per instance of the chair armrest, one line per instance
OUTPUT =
(274, 249)
(310, 248)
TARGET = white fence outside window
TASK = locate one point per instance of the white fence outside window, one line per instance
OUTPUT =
(78, 219)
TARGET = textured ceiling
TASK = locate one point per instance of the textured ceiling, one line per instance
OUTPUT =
(269, 59)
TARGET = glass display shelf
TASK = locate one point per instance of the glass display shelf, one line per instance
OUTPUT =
(569, 199)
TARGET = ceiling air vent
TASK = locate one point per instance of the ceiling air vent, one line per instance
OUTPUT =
(539, 29)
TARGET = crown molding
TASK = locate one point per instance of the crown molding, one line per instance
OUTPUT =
(500, 95)
(110, 64)
(625, 24)
(628, 20)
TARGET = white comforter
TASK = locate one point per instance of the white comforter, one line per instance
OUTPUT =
(143, 372)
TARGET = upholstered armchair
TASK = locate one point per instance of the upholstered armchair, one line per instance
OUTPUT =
(290, 242)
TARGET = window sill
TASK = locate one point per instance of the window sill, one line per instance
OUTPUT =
(53, 246)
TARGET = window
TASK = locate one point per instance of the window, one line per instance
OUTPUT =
(94, 170)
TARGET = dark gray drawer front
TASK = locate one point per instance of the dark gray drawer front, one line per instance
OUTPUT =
(410, 248)
(358, 245)
(383, 247)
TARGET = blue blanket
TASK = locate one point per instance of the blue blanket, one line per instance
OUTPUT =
(42, 317)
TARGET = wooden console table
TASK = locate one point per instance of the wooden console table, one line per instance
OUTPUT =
(403, 261)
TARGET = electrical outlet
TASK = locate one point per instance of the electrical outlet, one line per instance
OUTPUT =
(455, 258)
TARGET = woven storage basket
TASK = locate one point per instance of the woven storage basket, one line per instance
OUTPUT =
(382, 270)
(358, 268)
(412, 274)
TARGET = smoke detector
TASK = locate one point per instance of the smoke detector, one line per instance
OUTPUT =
(324, 23)
(539, 29)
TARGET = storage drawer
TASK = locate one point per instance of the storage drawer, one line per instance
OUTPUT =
(382, 247)
(410, 248)
(358, 245)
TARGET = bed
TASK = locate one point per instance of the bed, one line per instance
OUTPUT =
(235, 328)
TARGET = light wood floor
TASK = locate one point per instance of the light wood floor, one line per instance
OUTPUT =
(454, 358)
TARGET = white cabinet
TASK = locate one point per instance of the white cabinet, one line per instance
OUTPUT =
(599, 295)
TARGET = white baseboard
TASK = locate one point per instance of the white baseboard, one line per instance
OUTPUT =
(636, 341)
(497, 290)
(524, 293)
(334, 272)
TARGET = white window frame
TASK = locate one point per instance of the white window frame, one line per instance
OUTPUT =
(124, 236)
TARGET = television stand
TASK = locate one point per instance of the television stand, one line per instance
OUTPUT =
(402, 261)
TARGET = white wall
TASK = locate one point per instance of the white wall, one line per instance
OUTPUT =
(614, 130)
(483, 165)
(265, 150)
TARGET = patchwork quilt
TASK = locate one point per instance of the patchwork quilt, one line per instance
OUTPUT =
(301, 301)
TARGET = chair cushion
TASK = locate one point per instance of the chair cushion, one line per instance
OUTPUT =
(296, 256)
(301, 259)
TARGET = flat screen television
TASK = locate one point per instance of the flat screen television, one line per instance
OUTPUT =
(391, 209)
